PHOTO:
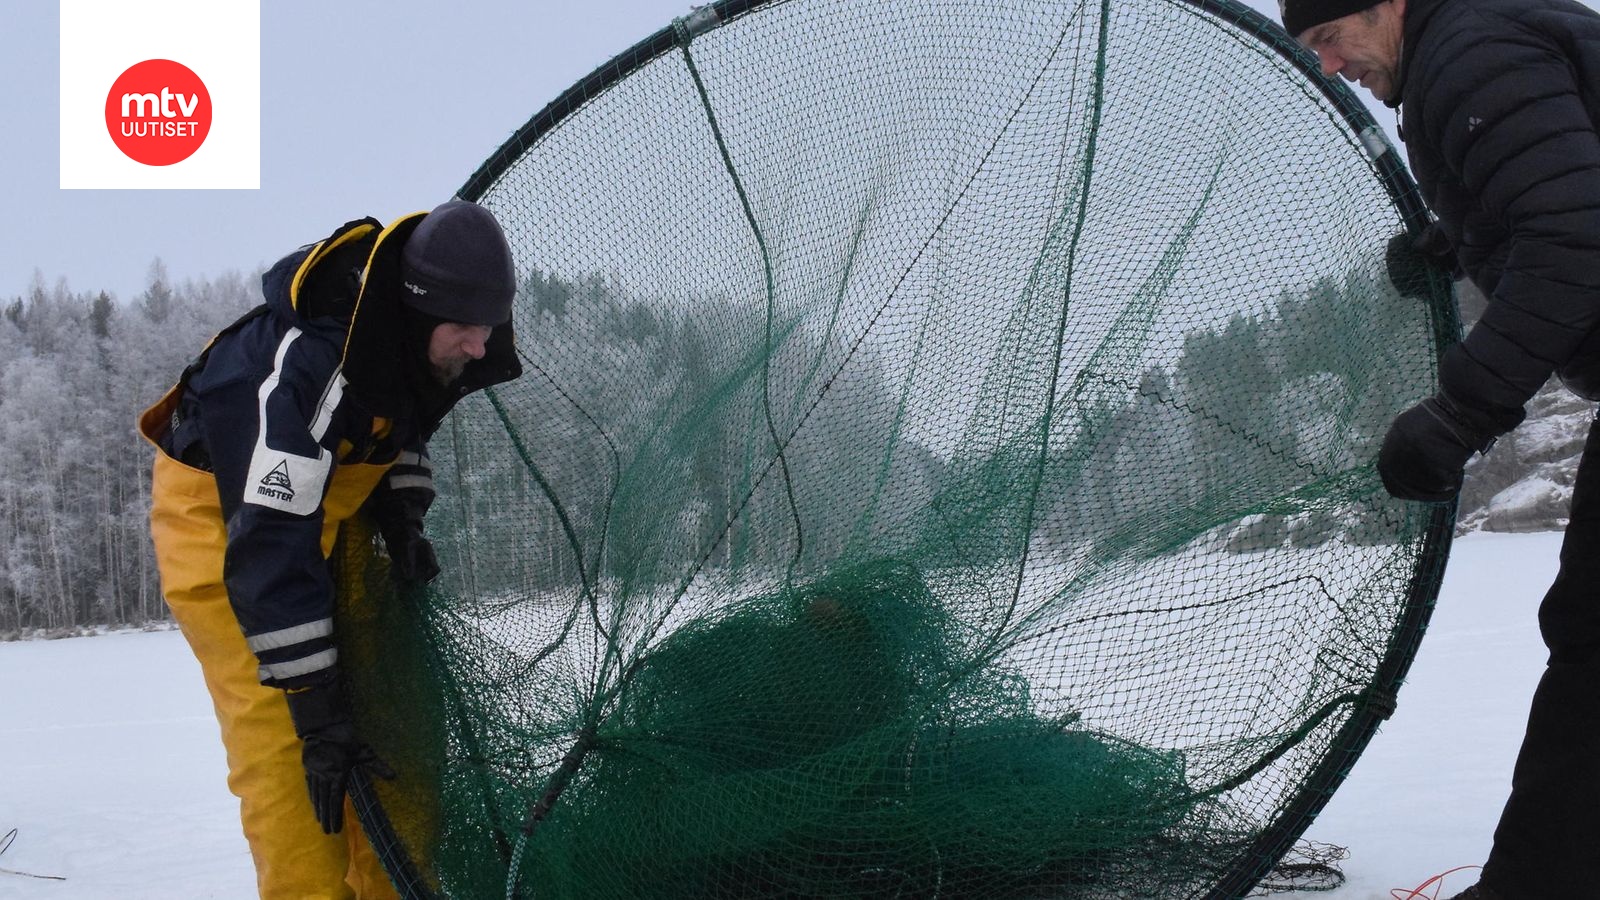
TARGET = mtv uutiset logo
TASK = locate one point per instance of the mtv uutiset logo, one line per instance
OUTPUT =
(160, 94)
(158, 112)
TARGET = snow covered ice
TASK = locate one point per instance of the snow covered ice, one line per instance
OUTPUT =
(111, 770)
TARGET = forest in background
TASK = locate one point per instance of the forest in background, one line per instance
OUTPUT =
(76, 369)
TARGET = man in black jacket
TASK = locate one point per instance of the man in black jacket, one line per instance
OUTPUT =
(1500, 101)
(313, 406)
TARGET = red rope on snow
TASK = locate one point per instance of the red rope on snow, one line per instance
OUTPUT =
(1436, 882)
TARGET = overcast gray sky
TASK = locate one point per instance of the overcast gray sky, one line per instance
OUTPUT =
(367, 108)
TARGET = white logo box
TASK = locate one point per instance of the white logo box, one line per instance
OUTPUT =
(219, 39)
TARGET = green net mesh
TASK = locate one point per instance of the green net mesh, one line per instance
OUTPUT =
(943, 469)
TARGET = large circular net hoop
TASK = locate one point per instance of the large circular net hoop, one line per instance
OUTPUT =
(943, 469)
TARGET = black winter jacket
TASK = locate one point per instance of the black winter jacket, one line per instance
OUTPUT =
(314, 379)
(1500, 100)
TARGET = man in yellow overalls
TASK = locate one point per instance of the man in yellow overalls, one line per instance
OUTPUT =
(315, 403)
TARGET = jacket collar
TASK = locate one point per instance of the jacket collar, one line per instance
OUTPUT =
(1417, 16)
(348, 286)
(374, 370)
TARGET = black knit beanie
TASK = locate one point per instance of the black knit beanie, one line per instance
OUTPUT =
(1299, 15)
(456, 266)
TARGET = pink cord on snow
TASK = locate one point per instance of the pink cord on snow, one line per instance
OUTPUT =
(1436, 882)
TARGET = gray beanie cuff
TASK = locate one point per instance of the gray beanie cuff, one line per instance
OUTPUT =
(454, 302)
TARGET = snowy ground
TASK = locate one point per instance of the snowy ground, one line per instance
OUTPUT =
(111, 771)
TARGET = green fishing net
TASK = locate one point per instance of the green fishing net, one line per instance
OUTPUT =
(943, 469)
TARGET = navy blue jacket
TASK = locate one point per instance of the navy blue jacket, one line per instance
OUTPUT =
(1499, 101)
(315, 379)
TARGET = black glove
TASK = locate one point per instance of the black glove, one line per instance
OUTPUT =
(398, 506)
(330, 750)
(1411, 262)
(410, 553)
(1427, 448)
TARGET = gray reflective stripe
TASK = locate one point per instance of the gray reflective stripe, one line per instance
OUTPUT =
(411, 481)
(284, 637)
(331, 397)
(304, 665)
(407, 458)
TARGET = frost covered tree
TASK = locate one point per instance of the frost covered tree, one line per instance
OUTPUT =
(75, 371)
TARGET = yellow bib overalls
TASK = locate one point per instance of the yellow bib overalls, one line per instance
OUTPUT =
(294, 860)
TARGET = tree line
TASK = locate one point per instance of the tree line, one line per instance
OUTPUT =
(76, 369)
(595, 413)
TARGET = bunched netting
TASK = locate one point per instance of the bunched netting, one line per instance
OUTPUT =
(943, 470)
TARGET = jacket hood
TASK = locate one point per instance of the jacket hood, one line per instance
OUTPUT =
(346, 288)
(321, 280)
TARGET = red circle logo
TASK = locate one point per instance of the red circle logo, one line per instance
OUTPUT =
(158, 112)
